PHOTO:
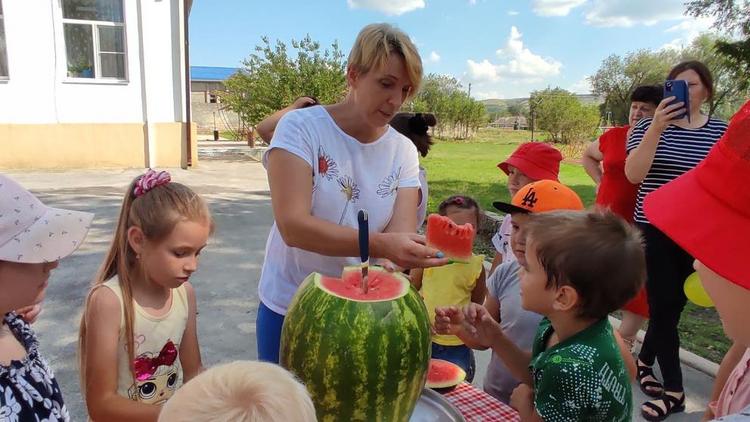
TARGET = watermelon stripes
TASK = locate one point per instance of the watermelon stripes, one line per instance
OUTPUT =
(359, 360)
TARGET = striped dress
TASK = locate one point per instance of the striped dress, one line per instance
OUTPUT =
(678, 151)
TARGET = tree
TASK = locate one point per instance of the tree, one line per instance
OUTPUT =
(271, 78)
(457, 114)
(560, 113)
(618, 76)
(732, 18)
(729, 89)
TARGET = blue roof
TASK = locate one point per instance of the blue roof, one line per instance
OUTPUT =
(209, 73)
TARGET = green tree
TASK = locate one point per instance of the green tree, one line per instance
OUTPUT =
(618, 76)
(732, 17)
(729, 89)
(457, 114)
(563, 116)
(272, 78)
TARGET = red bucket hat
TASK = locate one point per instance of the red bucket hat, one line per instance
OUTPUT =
(718, 189)
(536, 160)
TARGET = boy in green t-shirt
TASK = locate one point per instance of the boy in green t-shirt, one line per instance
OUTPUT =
(580, 266)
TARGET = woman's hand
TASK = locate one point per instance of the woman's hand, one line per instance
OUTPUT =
(406, 250)
(666, 114)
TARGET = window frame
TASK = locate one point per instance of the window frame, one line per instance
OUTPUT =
(96, 51)
(4, 78)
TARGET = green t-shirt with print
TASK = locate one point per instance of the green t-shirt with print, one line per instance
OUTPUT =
(582, 378)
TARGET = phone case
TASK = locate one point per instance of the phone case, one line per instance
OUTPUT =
(678, 88)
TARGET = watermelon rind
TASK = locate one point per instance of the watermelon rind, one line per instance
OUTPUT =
(360, 360)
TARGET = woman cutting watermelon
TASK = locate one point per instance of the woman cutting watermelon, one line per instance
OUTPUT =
(327, 162)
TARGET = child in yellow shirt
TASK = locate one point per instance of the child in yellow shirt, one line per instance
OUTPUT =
(455, 284)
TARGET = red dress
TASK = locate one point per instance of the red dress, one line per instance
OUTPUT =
(618, 194)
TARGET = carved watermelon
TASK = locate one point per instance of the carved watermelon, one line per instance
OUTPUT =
(444, 374)
(448, 237)
(362, 356)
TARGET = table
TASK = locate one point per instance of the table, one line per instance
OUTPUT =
(476, 405)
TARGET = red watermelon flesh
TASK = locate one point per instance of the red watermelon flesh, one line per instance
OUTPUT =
(448, 237)
(381, 285)
(444, 374)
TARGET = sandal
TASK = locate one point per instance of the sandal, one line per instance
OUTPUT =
(671, 403)
(650, 388)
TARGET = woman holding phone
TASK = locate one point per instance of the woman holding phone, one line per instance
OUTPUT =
(659, 150)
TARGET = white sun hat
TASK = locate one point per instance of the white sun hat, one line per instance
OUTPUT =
(31, 232)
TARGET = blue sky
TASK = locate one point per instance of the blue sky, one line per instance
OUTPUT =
(504, 48)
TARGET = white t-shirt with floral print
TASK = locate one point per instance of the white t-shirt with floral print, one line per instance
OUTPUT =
(347, 176)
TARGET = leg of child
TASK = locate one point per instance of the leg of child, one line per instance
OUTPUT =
(268, 331)
(629, 327)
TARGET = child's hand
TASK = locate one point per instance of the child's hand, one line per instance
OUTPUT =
(481, 326)
(30, 313)
(449, 320)
(522, 399)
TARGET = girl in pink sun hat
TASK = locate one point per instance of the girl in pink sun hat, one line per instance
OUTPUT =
(530, 162)
(33, 239)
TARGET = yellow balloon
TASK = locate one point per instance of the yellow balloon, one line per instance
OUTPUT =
(696, 293)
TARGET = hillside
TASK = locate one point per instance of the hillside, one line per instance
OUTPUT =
(496, 105)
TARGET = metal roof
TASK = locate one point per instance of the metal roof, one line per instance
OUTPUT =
(209, 73)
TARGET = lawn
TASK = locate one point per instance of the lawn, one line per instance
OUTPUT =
(470, 168)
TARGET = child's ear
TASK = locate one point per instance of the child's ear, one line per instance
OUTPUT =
(567, 298)
(136, 239)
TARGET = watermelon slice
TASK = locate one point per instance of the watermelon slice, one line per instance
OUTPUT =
(448, 237)
(444, 374)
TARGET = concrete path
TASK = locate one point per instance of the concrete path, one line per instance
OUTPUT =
(226, 282)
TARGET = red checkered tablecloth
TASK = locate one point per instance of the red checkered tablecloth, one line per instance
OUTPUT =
(476, 405)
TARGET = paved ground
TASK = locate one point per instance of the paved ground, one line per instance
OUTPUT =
(226, 283)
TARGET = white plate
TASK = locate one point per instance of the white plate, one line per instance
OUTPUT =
(433, 407)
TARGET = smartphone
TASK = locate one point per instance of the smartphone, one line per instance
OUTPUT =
(678, 88)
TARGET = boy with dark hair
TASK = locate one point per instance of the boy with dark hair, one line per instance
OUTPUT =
(580, 266)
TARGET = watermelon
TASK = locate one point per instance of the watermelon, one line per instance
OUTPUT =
(454, 241)
(444, 374)
(362, 356)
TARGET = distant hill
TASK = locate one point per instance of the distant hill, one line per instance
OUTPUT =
(495, 105)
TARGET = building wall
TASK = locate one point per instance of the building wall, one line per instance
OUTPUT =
(48, 120)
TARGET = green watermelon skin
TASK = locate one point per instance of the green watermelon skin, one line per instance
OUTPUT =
(360, 361)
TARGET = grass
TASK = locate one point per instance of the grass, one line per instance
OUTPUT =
(470, 167)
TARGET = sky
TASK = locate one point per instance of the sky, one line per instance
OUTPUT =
(503, 48)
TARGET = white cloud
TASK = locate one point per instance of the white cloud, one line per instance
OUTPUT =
(513, 13)
(522, 63)
(689, 29)
(555, 7)
(472, 2)
(583, 86)
(389, 7)
(483, 71)
(627, 13)
(434, 57)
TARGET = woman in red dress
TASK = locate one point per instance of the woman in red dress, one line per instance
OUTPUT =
(604, 161)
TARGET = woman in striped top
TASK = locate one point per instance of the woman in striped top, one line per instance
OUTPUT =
(659, 150)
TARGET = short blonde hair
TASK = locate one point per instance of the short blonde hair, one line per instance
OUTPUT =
(373, 45)
(241, 391)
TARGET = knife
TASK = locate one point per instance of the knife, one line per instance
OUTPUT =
(364, 246)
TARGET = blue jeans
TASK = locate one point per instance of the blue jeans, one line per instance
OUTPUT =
(460, 355)
(268, 333)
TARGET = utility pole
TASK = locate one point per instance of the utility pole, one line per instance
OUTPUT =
(469, 89)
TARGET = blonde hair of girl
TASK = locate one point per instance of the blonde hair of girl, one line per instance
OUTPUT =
(156, 210)
(241, 391)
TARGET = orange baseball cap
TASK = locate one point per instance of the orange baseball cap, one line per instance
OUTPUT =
(541, 196)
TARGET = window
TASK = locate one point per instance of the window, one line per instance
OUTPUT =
(3, 51)
(94, 38)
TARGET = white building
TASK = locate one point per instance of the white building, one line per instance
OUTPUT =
(94, 83)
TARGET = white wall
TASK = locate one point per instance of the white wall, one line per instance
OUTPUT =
(39, 91)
